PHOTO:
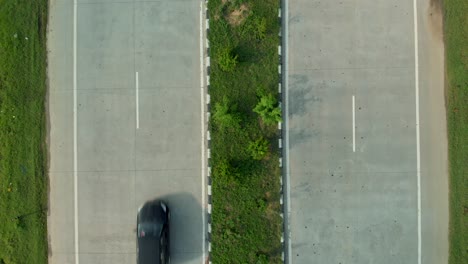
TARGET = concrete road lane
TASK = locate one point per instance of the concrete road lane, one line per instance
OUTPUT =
(137, 131)
(351, 99)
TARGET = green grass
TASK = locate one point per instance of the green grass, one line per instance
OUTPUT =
(23, 182)
(456, 45)
(246, 222)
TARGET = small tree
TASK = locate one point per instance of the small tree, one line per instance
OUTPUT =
(258, 149)
(268, 109)
(224, 117)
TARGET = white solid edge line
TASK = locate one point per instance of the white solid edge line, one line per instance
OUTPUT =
(202, 114)
(75, 144)
(137, 101)
(354, 127)
(418, 150)
(287, 232)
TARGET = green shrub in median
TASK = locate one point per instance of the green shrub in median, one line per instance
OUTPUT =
(259, 27)
(255, 26)
(225, 116)
(258, 149)
(226, 59)
(268, 109)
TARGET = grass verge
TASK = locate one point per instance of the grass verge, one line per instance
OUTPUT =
(23, 183)
(456, 45)
(246, 222)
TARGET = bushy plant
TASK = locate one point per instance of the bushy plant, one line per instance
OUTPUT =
(262, 259)
(226, 59)
(258, 27)
(258, 149)
(255, 27)
(268, 109)
(237, 3)
(223, 170)
(224, 116)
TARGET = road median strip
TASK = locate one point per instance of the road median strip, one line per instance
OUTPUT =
(245, 201)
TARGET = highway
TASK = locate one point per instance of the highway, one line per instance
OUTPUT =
(365, 141)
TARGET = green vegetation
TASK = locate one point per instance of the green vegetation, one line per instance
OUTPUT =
(23, 183)
(246, 222)
(225, 116)
(226, 60)
(456, 45)
(268, 109)
(259, 148)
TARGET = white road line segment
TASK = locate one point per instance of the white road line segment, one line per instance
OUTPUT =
(418, 148)
(137, 101)
(354, 126)
(202, 114)
(75, 137)
(287, 232)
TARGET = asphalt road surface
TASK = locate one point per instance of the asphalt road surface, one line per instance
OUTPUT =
(352, 139)
(124, 126)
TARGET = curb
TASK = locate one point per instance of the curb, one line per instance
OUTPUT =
(206, 51)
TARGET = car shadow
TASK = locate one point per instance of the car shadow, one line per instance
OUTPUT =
(187, 239)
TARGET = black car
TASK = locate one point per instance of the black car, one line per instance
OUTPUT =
(153, 233)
